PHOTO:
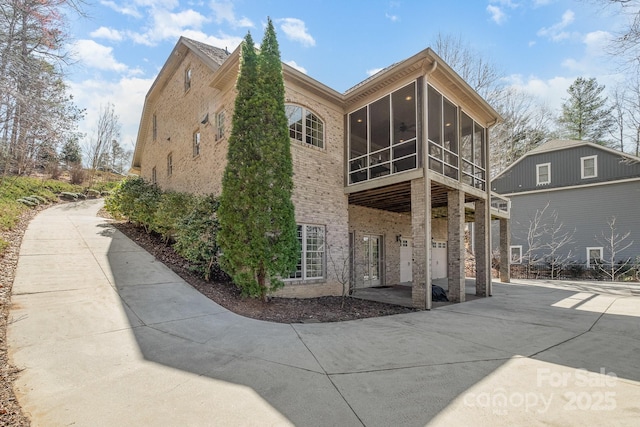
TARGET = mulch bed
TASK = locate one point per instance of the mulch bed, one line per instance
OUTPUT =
(282, 310)
(10, 411)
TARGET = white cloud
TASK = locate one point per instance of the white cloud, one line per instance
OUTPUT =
(392, 18)
(296, 30)
(296, 66)
(497, 15)
(594, 60)
(550, 92)
(127, 10)
(539, 3)
(107, 33)
(169, 26)
(373, 71)
(95, 55)
(224, 12)
(556, 31)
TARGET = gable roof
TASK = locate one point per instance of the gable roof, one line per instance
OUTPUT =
(223, 64)
(211, 56)
(564, 144)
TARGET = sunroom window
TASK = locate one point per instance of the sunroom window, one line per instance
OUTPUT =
(472, 150)
(305, 126)
(382, 136)
(443, 135)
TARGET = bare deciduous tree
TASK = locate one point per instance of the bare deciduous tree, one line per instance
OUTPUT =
(547, 238)
(341, 266)
(613, 244)
(526, 123)
(98, 147)
(632, 110)
(34, 108)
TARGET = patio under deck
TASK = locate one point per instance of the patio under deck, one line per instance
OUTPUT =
(401, 294)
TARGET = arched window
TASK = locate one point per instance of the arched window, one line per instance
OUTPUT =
(305, 126)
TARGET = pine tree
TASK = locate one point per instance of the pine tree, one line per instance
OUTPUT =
(258, 233)
(585, 114)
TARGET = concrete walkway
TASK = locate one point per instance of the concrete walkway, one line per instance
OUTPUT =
(108, 336)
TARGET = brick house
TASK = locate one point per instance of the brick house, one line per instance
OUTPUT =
(395, 162)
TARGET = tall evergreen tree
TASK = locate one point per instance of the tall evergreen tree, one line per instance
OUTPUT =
(585, 114)
(258, 232)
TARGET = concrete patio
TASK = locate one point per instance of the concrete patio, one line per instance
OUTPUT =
(106, 335)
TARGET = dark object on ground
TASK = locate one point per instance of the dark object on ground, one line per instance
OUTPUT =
(438, 294)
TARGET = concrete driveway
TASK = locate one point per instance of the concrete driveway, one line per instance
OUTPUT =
(106, 335)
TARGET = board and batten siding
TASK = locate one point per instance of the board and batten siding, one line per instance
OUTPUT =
(585, 210)
(565, 170)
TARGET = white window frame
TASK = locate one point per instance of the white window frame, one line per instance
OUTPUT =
(169, 164)
(511, 259)
(589, 249)
(219, 125)
(583, 160)
(540, 166)
(196, 143)
(307, 133)
(301, 272)
(187, 79)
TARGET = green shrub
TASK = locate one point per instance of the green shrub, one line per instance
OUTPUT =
(145, 206)
(196, 238)
(172, 208)
(121, 202)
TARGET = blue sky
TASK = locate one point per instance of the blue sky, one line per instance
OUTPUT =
(540, 45)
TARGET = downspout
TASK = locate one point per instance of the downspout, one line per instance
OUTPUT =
(427, 194)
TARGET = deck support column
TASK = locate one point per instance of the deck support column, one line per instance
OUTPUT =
(482, 252)
(505, 256)
(456, 249)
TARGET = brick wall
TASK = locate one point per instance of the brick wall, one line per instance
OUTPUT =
(318, 193)
(366, 221)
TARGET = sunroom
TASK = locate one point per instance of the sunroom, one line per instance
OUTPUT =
(416, 171)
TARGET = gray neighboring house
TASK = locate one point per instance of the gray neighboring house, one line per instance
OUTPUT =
(583, 186)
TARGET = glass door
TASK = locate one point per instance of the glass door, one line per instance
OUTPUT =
(372, 260)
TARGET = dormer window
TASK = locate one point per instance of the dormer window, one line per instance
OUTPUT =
(589, 167)
(543, 174)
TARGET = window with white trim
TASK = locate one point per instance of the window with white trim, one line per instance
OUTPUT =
(187, 79)
(543, 173)
(515, 254)
(170, 164)
(311, 261)
(594, 255)
(220, 125)
(588, 167)
(304, 125)
(196, 144)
